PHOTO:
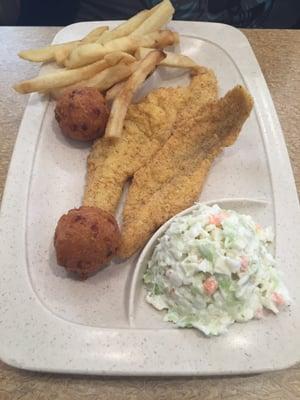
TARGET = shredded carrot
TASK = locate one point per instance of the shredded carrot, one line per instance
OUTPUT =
(210, 285)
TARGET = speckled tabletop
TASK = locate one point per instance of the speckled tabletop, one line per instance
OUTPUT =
(278, 53)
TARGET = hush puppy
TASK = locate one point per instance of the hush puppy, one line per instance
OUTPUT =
(82, 114)
(86, 239)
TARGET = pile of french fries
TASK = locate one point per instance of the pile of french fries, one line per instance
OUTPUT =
(114, 61)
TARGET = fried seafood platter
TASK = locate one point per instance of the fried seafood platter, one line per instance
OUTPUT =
(146, 193)
(160, 148)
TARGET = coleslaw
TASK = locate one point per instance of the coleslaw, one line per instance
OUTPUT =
(211, 268)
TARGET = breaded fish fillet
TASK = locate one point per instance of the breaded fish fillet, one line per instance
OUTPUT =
(148, 125)
(173, 179)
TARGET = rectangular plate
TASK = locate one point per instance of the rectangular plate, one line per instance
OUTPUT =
(51, 322)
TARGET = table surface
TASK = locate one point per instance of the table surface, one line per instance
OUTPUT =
(278, 53)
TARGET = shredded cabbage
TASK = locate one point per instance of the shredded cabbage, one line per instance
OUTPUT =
(211, 268)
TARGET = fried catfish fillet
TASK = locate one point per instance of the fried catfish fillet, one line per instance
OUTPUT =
(148, 125)
(172, 180)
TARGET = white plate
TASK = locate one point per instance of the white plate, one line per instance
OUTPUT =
(50, 322)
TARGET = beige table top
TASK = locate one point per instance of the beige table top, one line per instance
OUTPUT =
(278, 53)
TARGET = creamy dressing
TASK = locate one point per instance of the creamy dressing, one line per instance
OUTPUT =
(211, 268)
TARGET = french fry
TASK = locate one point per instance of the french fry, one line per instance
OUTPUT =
(161, 15)
(45, 54)
(102, 81)
(107, 78)
(94, 34)
(117, 56)
(171, 60)
(62, 78)
(92, 52)
(122, 101)
(42, 54)
(61, 53)
(126, 28)
(114, 91)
